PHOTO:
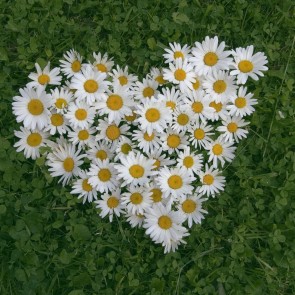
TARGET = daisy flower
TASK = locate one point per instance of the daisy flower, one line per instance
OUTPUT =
(209, 57)
(64, 161)
(58, 124)
(171, 97)
(192, 209)
(232, 129)
(153, 116)
(181, 120)
(110, 204)
(100, 150)
(80, 115)
(248, 65)
(84, 189)
(242, 103)
(156, 193)
(44, 77)
(124, 147)
(160, 158)
(173, 141)
(220, 86)
(137, 200)
(190, 160)
(173, 245)
(176, 51)
(199, 134)
(135, 220)
(157, 75)
(180, 73)
(103, 176)
(102, 62)
(30, 142)
(163, 225)
(176, 182)
(145, 89)
(135, 169)
(198, 84)
(220, 150)
(220, 110)
(90, 85)
(82, 137)
(130, 119)
(212, 182)
(122, 77)
(60, 99)
(31, 108)
(72, 63)
(147, 143)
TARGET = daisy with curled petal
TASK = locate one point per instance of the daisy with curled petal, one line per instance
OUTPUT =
(173, 141)
(103, 176)
(160, 158)
(248, 65)
(180, 73)
(102, 63)
(220, 86)
(135, 220)
(44, 77)
(124, 147)
(176, 182)
(64, 161)
(80, 115)
(82, 137)
(157, 75)
(232, 129)
(153, 116)
(110, 204)
(176, 51)
(60, 99)
(190, 160)
(31, 108)
(30, 142)
(192, 209)
(209, 57)
(171, 97)
(116, 104)
(242, 103)
(137, 200)
(164, 225)
(90, 85)
(220, 109)
(84, 189)
(58, 124)
(147, 143)
(212, 182)
(72, 63)
(199, 134)
(135, 169)
(145, 90)
(100, 150)
(220, 151)
(181, 119)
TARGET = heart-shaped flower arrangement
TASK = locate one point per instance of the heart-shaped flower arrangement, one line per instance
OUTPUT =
(150, 150)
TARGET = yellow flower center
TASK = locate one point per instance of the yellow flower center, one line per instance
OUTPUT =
(189, 206)
(196, 85)
(101, 154)
(35, 107)
(156, 195)
(232, 127)
(136, 198)
(173, 141)
(43, 79)
(83, 134)
(208, 179)
(148, 92)
(86, 186)
(157, 164)
(69, 164)
(219, 86)
(112, 202)
(210, 59)
(104, 174)
(34, 139)
(152, 115)
(160, 80)
(148, 137)
(76, 66)
(136, 171)
(113, 132)
(114, 102)
(188, 161)
(101, 68)
(197, 107)
(56, 120)
(175, 181)
(182, 119)
(245, 66)
(240, 102)
(81, 114)
(178, 54)
(126, 148)
(61, 103)
(171, 104)
(199, 134)
(164, 222)
(123, 80)
(217, 149)
(180, 75)
(90, 86)
(131, 117)
(216, 106)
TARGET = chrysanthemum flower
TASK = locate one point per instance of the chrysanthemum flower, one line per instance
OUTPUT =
(173, 141)
(135, 220)
(102, 63)
(157, 75)
(72, 63)
(100, 150)
(124, 147)
(145, 90)
(199, 134)
(190, 160)
(161, 159)
(176, 51)
(121, 76)
(220, 109)
(57, 124)
(60, 99)
(181, 119)
(82, 137)
(172, 97)
(147, 143)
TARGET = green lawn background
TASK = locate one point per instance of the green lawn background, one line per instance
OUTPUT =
(51, 244)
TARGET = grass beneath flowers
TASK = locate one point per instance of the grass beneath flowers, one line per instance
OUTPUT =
(51, 244)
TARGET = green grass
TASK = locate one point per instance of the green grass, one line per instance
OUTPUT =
(51, 244)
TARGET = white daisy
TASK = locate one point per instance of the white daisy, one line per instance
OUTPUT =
(121, 76)
(30, 142)
(181, 120)
(157, 195)
(190, 160)
(102, 63)
(209, 57)
(147, 142)
(60, 99)
(248, 65)
(176, 51)
(145, 90)
(72, 63)
(100, 150)
(135, 220)
(172, 97)
(124, 147)
(160, 158)
(82, 137)
(57, 124)
(198, 84)
(130, 119)
(173, 245)
(31, 108)
(199, 134)
(173, 141)
(157, 75)
(44, 77)
(220, 110)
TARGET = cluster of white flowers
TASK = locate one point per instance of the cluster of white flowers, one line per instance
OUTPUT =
(151, 149)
